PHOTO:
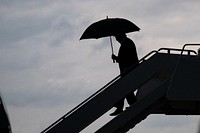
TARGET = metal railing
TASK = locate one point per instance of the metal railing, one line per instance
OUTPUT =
(169, 50)
(178, 60)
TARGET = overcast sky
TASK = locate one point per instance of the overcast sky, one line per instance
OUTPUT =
(45, 70)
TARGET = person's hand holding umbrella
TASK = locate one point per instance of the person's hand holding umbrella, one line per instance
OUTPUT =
(114, 57)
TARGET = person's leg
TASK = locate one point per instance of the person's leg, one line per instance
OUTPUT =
(131, 98)
(119, 105)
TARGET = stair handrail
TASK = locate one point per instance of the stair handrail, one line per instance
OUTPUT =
(190, 44)
(181, 50)
(178, 60)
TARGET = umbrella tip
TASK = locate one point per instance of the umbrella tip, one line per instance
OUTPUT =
(81, 38)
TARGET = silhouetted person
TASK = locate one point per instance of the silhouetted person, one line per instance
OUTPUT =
(127, 57)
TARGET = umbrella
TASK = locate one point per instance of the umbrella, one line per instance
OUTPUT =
(109, 27)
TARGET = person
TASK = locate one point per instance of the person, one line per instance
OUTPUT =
(127, 58)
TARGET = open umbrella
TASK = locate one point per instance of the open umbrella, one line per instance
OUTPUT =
(109, 27)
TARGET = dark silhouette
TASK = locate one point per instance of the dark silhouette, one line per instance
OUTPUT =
(4, 120)
(127, 58)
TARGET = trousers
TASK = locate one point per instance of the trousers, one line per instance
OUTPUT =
(131, 99)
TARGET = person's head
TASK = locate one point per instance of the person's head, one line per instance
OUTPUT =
(119, 37)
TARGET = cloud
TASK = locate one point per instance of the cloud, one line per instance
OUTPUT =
(44, 67)
(167, 124)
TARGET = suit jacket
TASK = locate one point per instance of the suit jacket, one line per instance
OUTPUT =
(127, 55)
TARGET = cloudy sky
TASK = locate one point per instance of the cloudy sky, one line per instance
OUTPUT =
(45, 70)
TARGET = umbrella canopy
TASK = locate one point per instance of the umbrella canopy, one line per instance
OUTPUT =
(109, 27)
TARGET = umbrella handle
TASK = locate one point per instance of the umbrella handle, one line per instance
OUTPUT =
(112, 48)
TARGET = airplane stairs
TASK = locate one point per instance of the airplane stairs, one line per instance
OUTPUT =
(166, 83)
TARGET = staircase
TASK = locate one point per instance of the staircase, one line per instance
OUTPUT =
(162, 85)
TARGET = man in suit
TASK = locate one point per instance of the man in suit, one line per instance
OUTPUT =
(127, 58)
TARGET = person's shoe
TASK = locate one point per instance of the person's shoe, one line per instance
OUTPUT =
(116, 112)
